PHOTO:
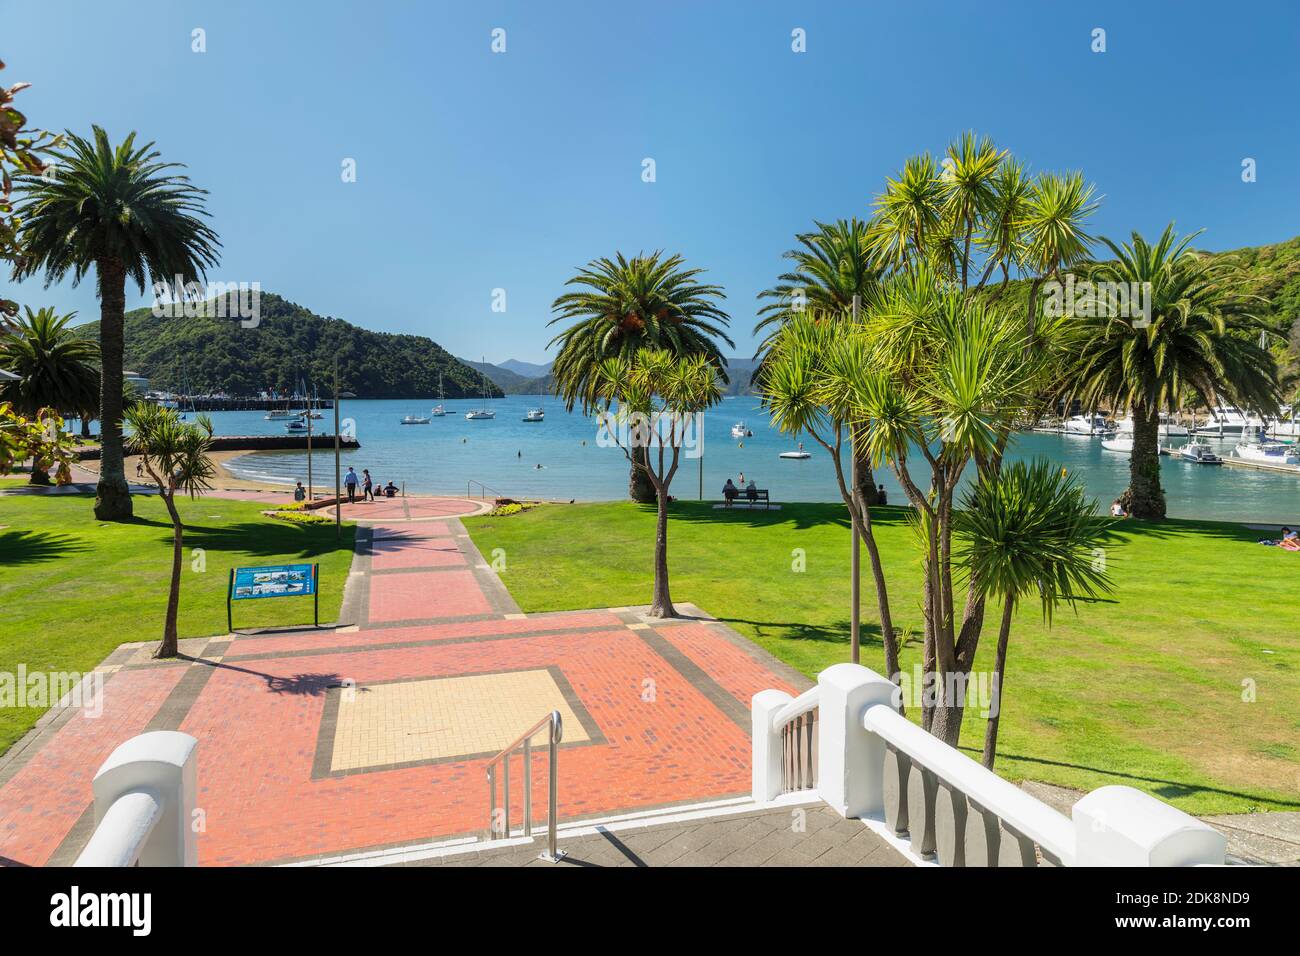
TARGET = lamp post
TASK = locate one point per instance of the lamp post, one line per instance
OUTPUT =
(855, 629)
(338, 507)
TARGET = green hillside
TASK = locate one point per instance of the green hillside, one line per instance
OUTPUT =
(289, 345)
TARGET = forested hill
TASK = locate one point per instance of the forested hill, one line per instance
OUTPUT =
(290, 345)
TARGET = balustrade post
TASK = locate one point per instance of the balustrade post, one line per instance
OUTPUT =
(851, 761)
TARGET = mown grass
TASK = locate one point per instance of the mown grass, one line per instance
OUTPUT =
(1183, 683)
(73, 588)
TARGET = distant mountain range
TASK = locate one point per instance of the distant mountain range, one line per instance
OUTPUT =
(288, 347)
(514, 377)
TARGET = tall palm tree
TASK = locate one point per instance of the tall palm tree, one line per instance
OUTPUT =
(622, 305)
(1200, 338)
(56, 369)
(1023, 529)
(127, 214)
(832, 265)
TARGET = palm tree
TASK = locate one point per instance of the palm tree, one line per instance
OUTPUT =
(623, 305)
(127, 214)
(1023, 529)
(175, 456)
(1197, 336)
(56, 369)
(833, 265)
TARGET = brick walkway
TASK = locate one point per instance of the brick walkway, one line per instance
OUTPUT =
(318, 743)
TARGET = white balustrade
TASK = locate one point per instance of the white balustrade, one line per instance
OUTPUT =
(877, 765)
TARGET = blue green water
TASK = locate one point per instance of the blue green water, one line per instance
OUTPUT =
(442, 456)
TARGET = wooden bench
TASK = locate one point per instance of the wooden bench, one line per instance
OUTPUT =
(758, 494)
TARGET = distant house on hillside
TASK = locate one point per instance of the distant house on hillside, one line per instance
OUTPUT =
(139, 381)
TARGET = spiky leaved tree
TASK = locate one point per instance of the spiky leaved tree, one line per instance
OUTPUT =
(622, 305)
(175, 457)
(127, 214)
(1026, 529)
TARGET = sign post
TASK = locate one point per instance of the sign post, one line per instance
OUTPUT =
(280, 580)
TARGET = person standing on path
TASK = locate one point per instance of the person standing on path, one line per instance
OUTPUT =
(350, 480)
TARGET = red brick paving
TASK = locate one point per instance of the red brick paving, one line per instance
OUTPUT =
(392, 553)
(410, 597)
(258, 721)
(41, 802)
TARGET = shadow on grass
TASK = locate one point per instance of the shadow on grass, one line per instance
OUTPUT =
(835, 633)
(33, 547)
(799, 515)
(257, 538)
(1167, 789)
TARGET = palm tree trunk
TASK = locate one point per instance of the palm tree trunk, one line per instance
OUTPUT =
(112, 496)
(865, 485)
(639, 486)
(999, 669)
(169, 647)
(1145, 497)
(662, 605)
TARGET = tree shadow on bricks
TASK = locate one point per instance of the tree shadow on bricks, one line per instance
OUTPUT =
(298, 685)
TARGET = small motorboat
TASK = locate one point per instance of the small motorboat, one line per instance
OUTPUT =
(297, 425)
(1199, 453)
(741, 430)
(279, 416)
(414, 420)
(535, 415)
(1268, 452)
(1121, 444)
(799, 455)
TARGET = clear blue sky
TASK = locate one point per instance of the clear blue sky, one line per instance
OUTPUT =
(477, 171)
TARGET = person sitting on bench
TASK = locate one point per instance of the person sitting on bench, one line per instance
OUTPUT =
(751, 491)
(729, 492)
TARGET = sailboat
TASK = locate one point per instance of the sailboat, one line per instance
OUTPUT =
(439, 410)
(481, 413)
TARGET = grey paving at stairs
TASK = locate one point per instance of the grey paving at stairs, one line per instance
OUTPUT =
(760, 838)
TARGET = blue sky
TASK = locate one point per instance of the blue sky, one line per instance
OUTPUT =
(478, 171)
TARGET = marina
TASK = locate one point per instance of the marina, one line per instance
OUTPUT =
(449, 451)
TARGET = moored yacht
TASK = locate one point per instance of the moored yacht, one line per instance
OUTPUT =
(1093, 424)
(741, 430)
(1170, 427)
(439, 410)
(1268, 452)
(1230, 420)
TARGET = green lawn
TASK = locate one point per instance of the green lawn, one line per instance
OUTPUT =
(73, 588)
(1145, 688)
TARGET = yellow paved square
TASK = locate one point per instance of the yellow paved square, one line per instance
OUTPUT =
(444, 717)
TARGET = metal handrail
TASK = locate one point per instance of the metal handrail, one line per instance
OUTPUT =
(556, 725)
(483, 488)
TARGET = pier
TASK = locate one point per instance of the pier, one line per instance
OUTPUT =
(319, 442)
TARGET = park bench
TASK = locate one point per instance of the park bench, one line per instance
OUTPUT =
(758, 494)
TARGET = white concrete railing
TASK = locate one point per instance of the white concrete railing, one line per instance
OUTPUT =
(144, 804)
(878, 766)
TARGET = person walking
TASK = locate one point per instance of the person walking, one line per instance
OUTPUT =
(367, 486)
(350, 481)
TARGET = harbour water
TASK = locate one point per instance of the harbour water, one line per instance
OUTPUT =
(505, 454)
